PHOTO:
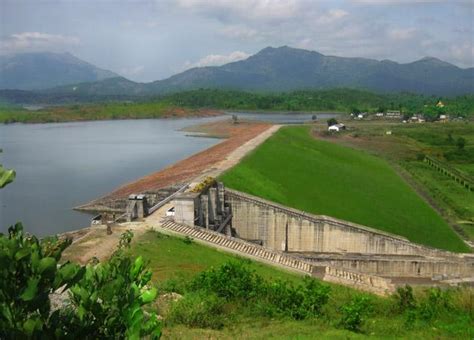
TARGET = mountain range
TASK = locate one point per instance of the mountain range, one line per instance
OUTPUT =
(41, 70)
(280, 69)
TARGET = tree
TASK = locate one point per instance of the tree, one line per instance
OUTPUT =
(332, 121)
(460, 143)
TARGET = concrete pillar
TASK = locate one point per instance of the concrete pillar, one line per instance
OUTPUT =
(205, 210)
(212, 206)
(184, 205)
(140, 204)
(220, 198)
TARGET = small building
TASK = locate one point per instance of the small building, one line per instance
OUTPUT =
(443, 117)
(440, 104)
(379, 114)
(336, 128)
(393, 114)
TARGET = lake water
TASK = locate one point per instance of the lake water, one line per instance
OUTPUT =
(62, 165)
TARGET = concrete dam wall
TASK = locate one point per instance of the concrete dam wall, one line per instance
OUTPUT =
(320, 240)
(285, 229)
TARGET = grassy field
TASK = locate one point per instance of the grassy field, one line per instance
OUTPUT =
(405, 149)
(175, 261)
(294, 169)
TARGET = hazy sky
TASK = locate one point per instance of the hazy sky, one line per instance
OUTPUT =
(147, 40)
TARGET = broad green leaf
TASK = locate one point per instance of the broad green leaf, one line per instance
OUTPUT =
(32, 325)
(47, 265)
(137, 266)
(6, 176)
(31, 289)
(22, 253)
(149, 295)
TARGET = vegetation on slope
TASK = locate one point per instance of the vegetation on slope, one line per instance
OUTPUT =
(227, 297)
(335, 100)
(341, 100)
(294, 169)
(406, 147)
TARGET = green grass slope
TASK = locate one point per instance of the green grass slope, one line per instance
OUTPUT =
(175, 261)
(296, 170)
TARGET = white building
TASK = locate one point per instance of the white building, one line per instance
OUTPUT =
(336, 127)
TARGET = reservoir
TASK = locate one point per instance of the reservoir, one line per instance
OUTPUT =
(63, 165)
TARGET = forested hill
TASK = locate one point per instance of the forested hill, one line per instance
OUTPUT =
(338, 100)
(289, 69)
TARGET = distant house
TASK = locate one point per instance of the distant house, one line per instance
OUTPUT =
(336, 127)
(379, 114)
(443, 117)
(440, 104)
(393, 114)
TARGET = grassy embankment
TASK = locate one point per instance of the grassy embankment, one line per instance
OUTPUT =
(87, 112)
(175, 262)
(407, 145)
(439, 140)
(294, 169)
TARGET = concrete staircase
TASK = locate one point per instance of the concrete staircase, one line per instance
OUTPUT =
(239, 246)
(371, 283)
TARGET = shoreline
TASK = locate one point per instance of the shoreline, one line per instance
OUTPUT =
(233, 136)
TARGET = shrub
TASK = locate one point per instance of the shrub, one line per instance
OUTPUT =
(29, 272)
(405, 298)
(199, 309)
(354, 312)
(107, 298)
(298, 302)
(188, 240)
(232, 280)
(434, 304)
(235, 281)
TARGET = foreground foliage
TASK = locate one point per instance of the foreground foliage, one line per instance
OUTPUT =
(106, 299)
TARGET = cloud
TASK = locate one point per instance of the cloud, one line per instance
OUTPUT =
(402, 33)
(256, 9)
(239, 32)
(217, 59)
(36, 41)
(332, 15)
(463, 53)
(132, 71)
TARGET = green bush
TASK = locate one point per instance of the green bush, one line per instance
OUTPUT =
(298, 302)
(233, 280)
(29, 272)
(405, 298)
(106, 298)
(198, 310)
(354, 313)
(436, 302)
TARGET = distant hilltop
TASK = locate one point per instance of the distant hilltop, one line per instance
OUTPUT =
(275, 70)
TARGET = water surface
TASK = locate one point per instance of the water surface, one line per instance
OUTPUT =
(63, 165)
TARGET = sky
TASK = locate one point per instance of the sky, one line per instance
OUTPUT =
(147, 40)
